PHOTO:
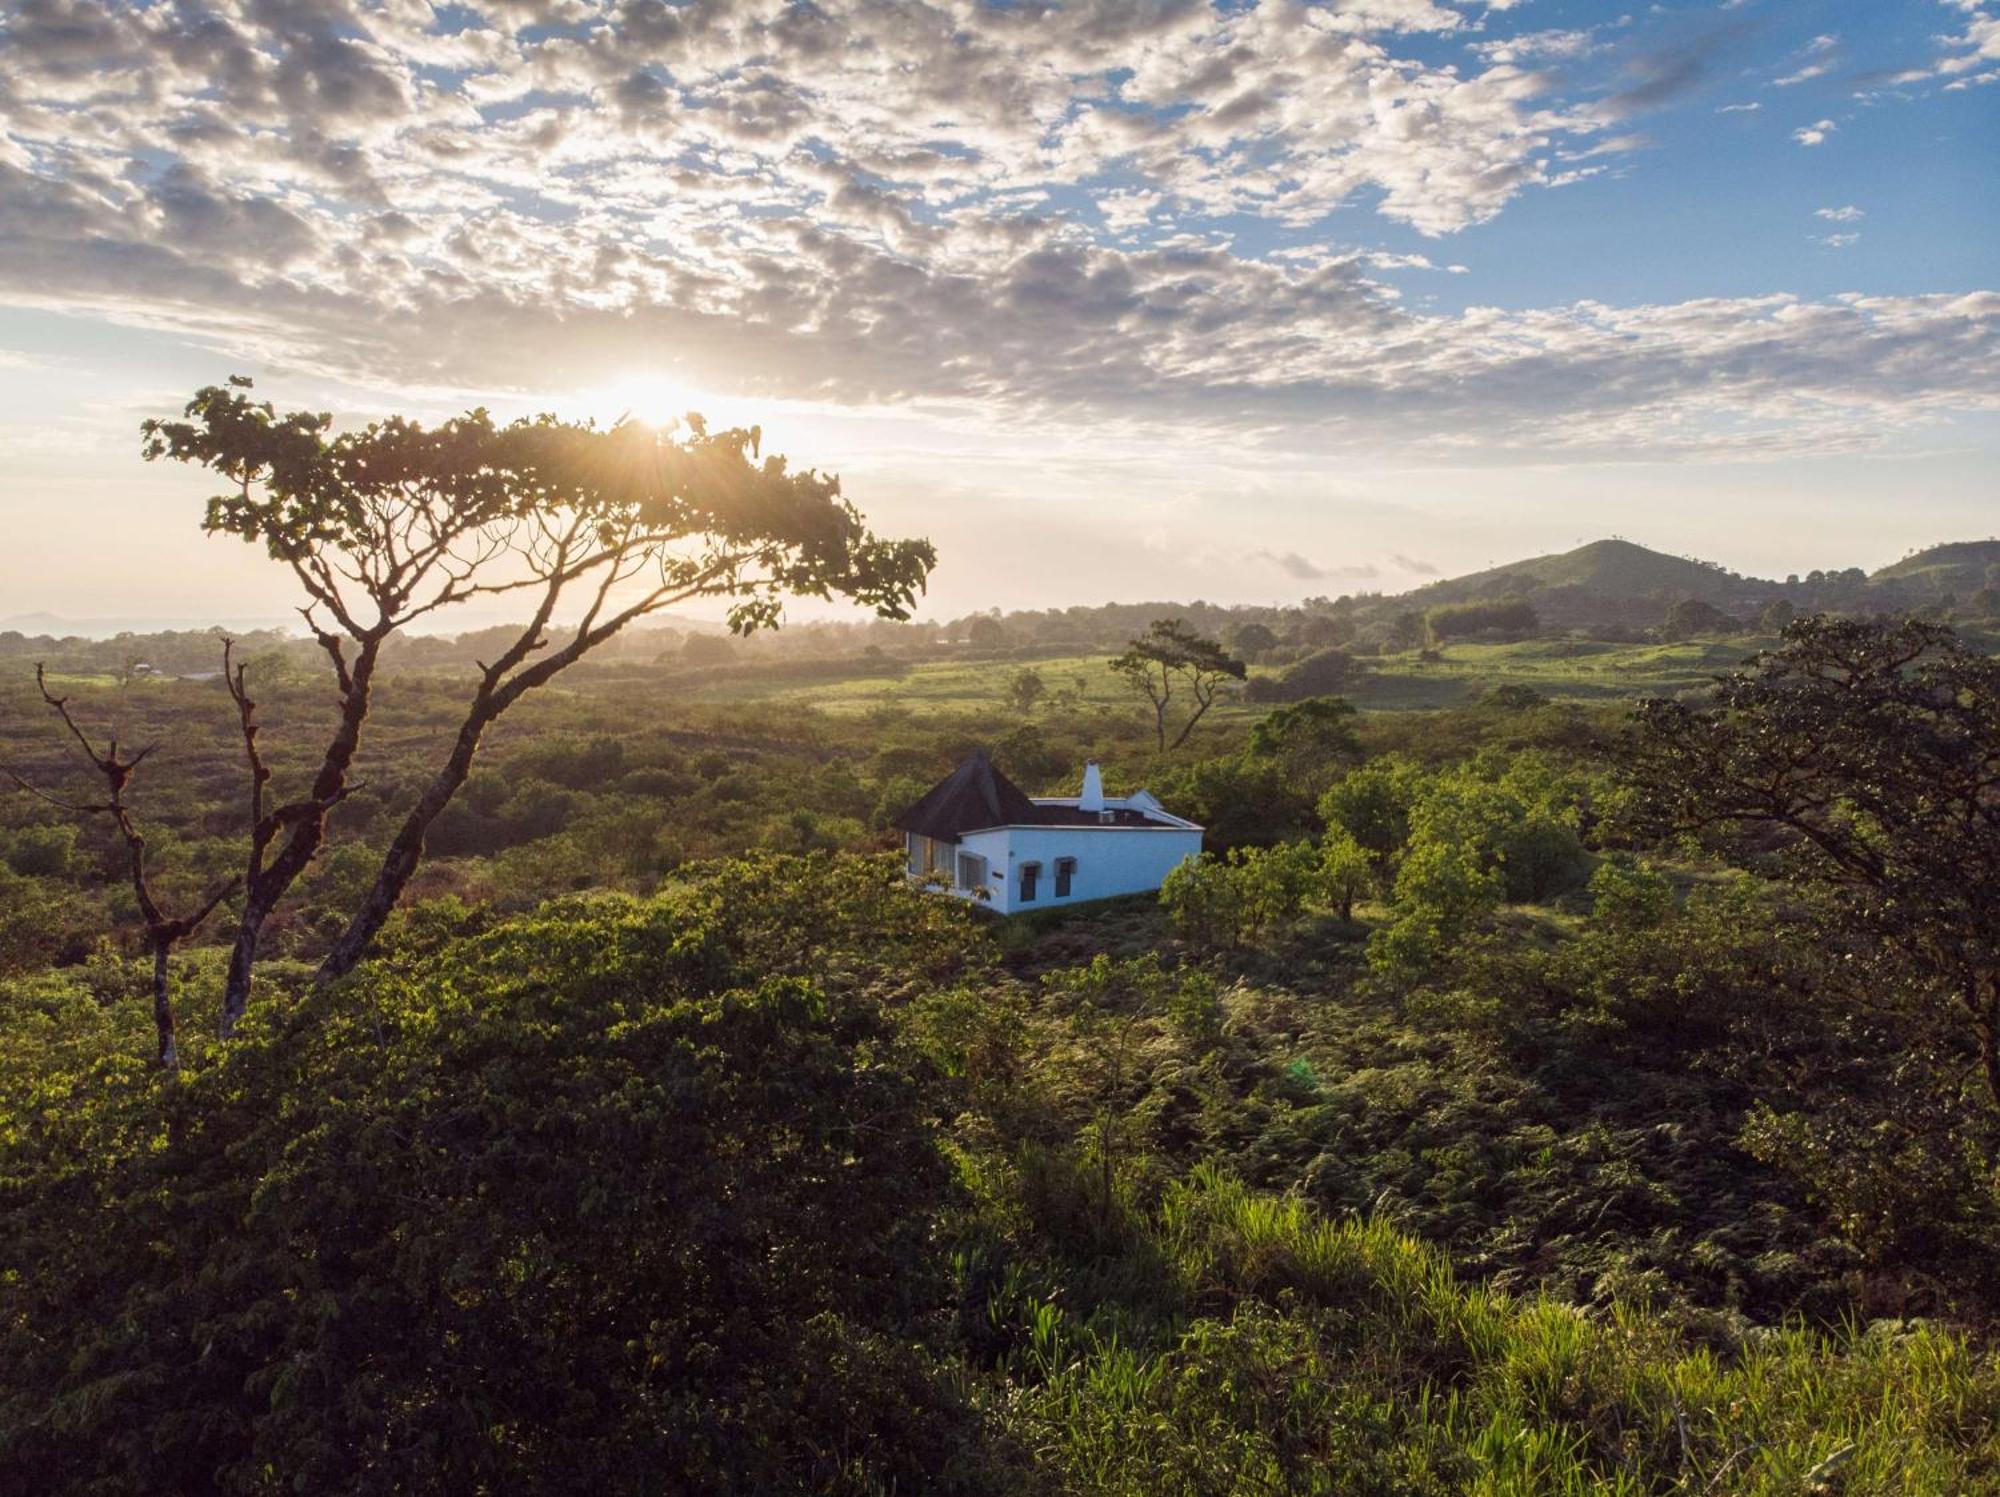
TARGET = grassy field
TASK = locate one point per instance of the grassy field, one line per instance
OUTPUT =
(1565, 669)
(1576, 670)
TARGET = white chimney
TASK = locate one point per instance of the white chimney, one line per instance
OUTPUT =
(1092, 798)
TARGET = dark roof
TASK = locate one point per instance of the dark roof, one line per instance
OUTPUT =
(976, 796)
(972, 797)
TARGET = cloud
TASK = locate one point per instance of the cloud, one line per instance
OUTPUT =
(1750, 108)
(1847, 215)
(1541, 46)
(1978, 46)
(1814, 134)
(1839, 241)
(1299, 569)
(1415, 566)
(1967, 59)
(1815, 60)
(1015, 213)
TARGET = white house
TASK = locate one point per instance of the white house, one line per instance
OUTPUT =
(978, 835)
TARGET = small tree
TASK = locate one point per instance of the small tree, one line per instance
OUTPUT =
(1252, 640)
(1776, 615)
(1026, 689)
(1309, 738)
(163, 931)
(591, 528)
(1345, 870)
(985, 632)
(1169, 658)
(1372, 803)
(1275, 882)
(1204, 901)
(1322, 673)
(1691, 616)
(1442, 889)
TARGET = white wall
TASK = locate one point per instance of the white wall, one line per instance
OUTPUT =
(1109, 860)
(992, 846)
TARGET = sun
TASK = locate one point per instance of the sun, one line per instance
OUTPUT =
(657, 399)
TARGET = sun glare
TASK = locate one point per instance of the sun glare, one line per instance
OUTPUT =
(656, 399)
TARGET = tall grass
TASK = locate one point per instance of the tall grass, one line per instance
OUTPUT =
(1320, 1356)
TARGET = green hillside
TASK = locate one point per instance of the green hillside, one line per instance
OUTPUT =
(1959, 567)
(1611, 567)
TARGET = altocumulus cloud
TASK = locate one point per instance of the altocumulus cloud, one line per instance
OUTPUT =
(1015, 209)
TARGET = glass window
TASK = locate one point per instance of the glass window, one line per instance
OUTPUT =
(1031, 875)
(1065, 873)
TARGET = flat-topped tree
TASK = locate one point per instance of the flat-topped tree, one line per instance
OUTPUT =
(591, 527)
(1170, 658)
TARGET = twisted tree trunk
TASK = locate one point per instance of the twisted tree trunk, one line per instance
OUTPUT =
(301, 824)
(400, 862)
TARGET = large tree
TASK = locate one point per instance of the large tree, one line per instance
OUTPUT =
(588, 527)
(1169, 661)
(1865, 756)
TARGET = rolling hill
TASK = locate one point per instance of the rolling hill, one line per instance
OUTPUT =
(1957, 567)
(1613, 568)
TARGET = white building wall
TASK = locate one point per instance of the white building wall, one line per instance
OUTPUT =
(992, 846)
(1109, 861)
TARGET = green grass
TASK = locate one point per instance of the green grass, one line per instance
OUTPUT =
(1564, 669)
(966, 685)
(1340, 1356)
(1572, 670)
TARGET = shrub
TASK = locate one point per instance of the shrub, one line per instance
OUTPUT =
(590, 1215)
(1322, 673)
(1442, 887)
(1345, 870)
(1221, 902)
(41, 851)
(1204, 900)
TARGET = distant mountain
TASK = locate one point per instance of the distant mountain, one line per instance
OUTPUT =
(1958, 567)
(1609, 569)
(1618, 585)
(57, 626)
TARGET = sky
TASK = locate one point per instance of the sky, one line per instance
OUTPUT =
(1130, 300)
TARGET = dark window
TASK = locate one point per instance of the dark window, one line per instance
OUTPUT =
(1065, 871)
(1031, 875)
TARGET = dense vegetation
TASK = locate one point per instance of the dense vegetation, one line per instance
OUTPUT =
(1478, 1116)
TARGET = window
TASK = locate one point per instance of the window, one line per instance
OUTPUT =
(971, 871)
(1031, 875)
(1065, 873)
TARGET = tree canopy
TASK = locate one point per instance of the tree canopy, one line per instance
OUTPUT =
(591, 527)
(1865, 755)
(1171, 658)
